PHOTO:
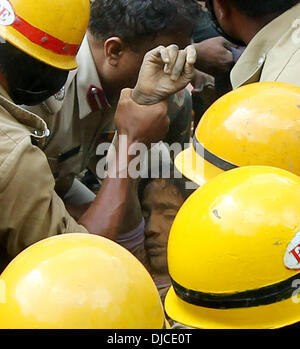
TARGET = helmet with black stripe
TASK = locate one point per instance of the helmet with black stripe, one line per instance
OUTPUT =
(257, 124)
(234, 252)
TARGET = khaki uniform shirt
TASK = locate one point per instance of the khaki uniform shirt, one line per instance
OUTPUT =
(273, 54)
(30, 209)
(77, 121)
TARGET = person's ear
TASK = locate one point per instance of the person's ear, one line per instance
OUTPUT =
(222, 9)
(113, 49)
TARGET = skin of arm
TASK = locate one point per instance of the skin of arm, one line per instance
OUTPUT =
(141, 116)
(140, 124)
(214, 56)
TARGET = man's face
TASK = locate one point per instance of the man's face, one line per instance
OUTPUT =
(129, 73)
(29, 81)
(160, 204)
(224, 20)
(124, 71)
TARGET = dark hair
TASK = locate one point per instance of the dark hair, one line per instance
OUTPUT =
(133, 20)
(179, 183)
(259, 8)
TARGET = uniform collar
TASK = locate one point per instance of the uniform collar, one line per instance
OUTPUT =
(36, 125)
(251, 63)
(87, 76)
(4, 94)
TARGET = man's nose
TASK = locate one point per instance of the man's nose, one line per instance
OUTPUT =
(152, 226)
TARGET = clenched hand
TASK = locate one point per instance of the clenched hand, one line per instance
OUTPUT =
(214, 56)
(165, 71)
(141, 123)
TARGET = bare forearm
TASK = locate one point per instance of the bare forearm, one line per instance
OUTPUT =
(133, 212)
(131, 218)
(77, 211)
(115, 209)
(118, 194)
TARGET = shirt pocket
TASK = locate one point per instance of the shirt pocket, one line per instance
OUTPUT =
(65, 167)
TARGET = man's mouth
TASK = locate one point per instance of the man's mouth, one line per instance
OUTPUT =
(152, 252)
(154, 249)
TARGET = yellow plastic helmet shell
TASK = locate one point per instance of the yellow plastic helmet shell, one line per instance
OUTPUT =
(78, 281)
(254, 125)
(48, 30)
(229, 252)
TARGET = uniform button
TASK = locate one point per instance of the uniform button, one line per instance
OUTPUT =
(41, 133)
(60, 95)
(38, 133)
(261, 60)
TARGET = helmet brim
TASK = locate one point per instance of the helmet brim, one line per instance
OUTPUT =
(276, 315)
(194, 167)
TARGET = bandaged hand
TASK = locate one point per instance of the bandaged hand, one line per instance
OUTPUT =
(165, 71)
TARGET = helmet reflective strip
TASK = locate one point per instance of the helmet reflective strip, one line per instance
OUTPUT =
(252, 298)
(43, 39)
(212, 158)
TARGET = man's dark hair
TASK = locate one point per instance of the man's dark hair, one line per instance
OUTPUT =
(135, 20)
(179, 183)
(260, 8)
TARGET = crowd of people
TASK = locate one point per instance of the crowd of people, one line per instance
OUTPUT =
(149, 164)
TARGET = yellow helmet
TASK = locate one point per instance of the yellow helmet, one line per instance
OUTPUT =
(78, 281)
(257, 124)
(50, 31)
(234, 252)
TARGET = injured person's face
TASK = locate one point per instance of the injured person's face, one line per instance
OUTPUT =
(160, 203)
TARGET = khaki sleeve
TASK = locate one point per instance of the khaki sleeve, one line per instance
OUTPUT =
(30, 208)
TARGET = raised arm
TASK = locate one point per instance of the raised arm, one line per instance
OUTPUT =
(141, 117)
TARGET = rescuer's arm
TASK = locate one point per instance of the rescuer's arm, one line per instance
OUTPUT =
(139, 124)
(141, 117)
